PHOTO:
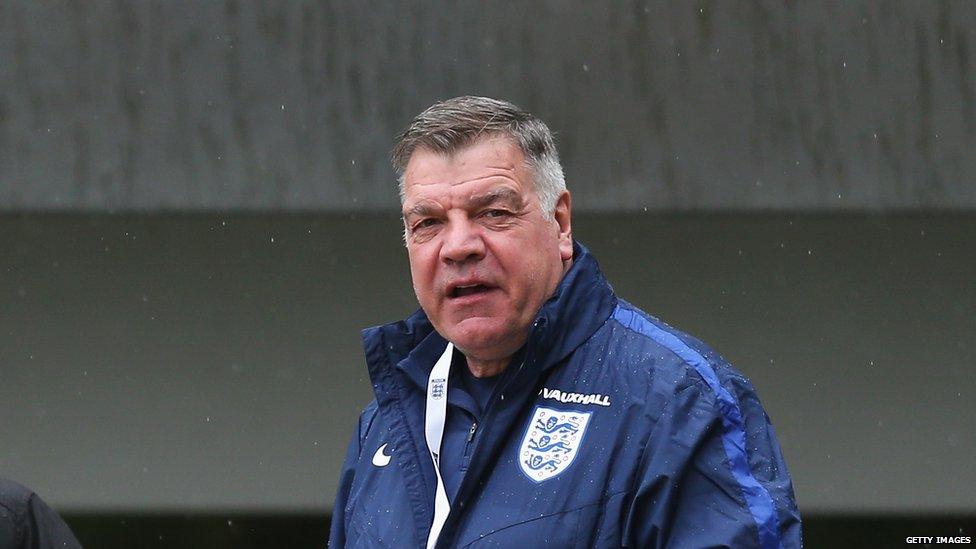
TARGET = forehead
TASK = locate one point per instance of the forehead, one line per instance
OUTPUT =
(486, 162)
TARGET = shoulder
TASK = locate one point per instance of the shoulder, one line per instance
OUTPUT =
(671, 359)
(366, 419)
(369, 412)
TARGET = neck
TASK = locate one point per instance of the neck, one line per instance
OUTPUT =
(487, 368)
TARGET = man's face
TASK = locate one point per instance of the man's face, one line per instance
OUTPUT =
(482, 256)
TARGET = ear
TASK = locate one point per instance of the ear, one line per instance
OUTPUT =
(562, 216)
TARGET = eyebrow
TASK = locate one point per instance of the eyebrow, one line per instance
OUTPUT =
(506, 195)
(420, 209)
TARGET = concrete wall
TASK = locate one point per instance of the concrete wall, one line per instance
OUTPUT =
(212, 362)
(146, 105)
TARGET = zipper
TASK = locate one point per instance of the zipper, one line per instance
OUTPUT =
(487, 416)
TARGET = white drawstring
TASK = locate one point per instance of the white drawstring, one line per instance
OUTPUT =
(434, 419)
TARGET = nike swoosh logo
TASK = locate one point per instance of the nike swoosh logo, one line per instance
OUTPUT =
(380, 458)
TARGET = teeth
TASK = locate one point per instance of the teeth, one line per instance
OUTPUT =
(463, 290)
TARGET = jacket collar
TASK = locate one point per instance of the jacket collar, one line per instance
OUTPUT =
(581, 304)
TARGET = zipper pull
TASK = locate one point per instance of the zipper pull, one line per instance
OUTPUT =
(474, 427)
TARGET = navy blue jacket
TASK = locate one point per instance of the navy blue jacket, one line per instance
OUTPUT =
(615, 430)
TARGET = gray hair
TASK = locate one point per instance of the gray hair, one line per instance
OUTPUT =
(453, 124)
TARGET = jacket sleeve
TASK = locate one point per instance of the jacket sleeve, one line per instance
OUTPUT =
(337, 530)
(713, 475)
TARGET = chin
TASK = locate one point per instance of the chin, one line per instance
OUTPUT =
(483, 338)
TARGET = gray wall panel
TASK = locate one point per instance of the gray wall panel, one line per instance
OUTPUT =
(293, 105)
(212, 362)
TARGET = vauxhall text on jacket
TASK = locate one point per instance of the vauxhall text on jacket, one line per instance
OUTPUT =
(614, 430)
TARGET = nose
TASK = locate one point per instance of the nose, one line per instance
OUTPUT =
(462, 242)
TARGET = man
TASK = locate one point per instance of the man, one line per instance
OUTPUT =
(525, 405)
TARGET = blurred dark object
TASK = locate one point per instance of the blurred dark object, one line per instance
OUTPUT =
(27, 522)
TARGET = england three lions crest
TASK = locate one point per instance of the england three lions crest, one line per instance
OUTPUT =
(551, 442)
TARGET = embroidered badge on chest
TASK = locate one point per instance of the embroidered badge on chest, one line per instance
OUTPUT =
(551, 442)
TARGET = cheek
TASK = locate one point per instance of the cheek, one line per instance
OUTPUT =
(422, 273)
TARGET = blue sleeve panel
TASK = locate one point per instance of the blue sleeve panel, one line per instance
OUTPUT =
(735, 489)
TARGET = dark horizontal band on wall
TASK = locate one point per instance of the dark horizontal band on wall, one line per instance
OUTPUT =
(246, 531)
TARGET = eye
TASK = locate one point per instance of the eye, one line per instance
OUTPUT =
(424, 224)
(495, 213)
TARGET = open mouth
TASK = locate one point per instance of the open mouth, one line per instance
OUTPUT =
(470, 289)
